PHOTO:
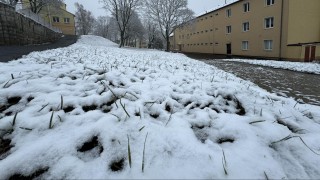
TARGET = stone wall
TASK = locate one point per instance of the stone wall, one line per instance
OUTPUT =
(16, 29)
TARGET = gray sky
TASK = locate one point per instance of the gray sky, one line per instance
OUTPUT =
(198, 6)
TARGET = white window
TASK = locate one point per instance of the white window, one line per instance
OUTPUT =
(246, 7)
(228, 29)
(269, 2)
(228, 12)
(245, 26)
(55, 19)
(245, 45)
(268, 45)
(67, 20)
(268, 22)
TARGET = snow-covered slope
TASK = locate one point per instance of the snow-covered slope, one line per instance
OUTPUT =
(81, 109)
(313, 68)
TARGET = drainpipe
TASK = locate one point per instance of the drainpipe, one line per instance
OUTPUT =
(213, 31)
(281, 26)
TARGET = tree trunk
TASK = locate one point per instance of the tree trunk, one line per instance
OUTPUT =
(122, 39)
(168, 43)
(167, 40)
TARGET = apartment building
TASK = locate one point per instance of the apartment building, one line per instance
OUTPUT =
(272, 29)
(58, 17)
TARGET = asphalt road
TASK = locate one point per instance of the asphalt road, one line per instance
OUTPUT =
(303, 87)
(8, 53)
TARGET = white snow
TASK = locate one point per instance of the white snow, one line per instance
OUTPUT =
(313, 68)
(202, 123)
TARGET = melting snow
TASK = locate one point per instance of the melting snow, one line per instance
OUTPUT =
(313, 68)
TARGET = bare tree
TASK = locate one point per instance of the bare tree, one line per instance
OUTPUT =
(10, 2)
(37, 5)
(135, 30)
(84, 20)
(102, 27)
(168, 14)
(155, 40)
(114, 30)
(122, 11)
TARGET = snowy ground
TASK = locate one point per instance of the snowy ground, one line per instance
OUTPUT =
(81, 109)
(313, 68)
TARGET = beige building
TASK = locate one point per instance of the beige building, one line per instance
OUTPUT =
(273, 29)
(58, 17)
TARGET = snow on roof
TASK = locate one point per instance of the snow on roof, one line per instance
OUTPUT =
(218, 7)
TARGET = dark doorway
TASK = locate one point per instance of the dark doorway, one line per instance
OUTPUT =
(229, 52)
(310, 53)
(307, 54)
(313, 53)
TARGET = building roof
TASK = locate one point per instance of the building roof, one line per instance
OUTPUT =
(217, 9)
(206, 13)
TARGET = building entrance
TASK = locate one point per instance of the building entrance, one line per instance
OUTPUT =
(310, 53)
(229, 51)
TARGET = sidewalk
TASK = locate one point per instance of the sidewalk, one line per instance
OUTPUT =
(8, 53)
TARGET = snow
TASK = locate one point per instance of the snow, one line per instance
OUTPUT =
(313, 68)
(197, 122)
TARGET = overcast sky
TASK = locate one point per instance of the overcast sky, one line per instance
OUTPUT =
(198, 6)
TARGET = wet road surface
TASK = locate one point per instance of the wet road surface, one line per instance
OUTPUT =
(302, 87)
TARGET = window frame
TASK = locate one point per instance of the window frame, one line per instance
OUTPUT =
(228, 12)
(66, 22)
(244, 29)
(55, 19)
(270, 2)
(228, 28)
(270, 21)
(268, 44)
(245, 45)
(246, 7)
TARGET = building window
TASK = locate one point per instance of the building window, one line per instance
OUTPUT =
(246, 7)
(268, 45)
(55, 19)
(268, 22)
(228, 12)
(269, 2)
(67, 20)
(245, 45)
(228, 28)
(246, 26)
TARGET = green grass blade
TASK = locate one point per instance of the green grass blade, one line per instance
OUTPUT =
(61, 102)
(50, 123)
(14, 119)
(143, 155)
(141, 128)
(129, 151)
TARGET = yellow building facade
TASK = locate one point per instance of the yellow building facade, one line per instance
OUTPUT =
(273, 29)
(57, 17)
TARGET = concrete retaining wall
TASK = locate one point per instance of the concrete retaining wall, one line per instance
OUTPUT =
(16, 29)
